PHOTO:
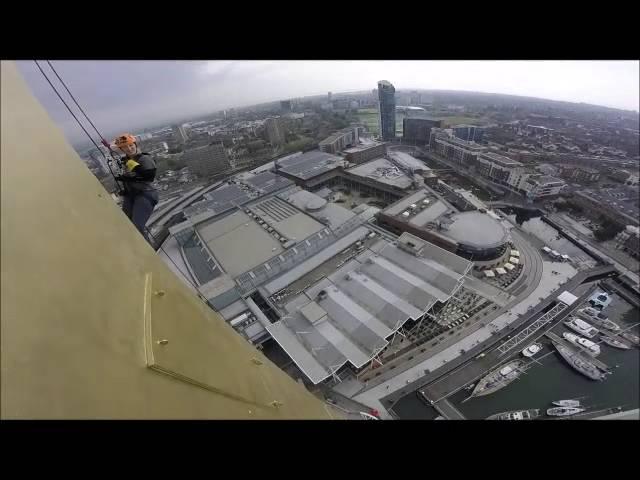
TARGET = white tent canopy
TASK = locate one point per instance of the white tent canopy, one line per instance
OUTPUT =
(515, 253)
(514, 260)
(500, 271)
(489, 273)
(509, 266)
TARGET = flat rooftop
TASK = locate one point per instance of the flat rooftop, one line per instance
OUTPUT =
(310, 164)
(268, 182)
(501, 160)
(219, 200)
(407, 160)
(365, 145)
(472, 146)
(238, 243)
(328, 212)
(285, 219)
(335, 136)
(404, 203)
(383, 171)
(548, 179)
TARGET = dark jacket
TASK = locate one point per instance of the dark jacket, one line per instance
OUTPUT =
(140, 174)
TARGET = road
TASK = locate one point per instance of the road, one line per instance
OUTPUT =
(590, 244)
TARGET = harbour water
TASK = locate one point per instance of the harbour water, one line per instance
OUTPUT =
(531, 223)
(553, 379)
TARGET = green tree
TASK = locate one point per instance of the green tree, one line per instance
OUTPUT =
(607, 231)
(255, 145)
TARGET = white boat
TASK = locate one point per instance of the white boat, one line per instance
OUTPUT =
(591, 348)
(566, 403)
(631, 337)
(498, 378)
(564, 411)
(581, 327)
(580, 364)
(598, 318)
(531, 350)
(600, 300)
(614, 342)
(516, 415)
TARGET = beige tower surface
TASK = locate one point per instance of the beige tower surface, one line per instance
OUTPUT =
(94, 324)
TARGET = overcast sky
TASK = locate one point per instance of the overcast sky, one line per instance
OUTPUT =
(130, 95)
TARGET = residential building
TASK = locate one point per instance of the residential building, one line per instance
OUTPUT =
(285, 106)
(418, 130)
(337, 142)
(207, 160)
(500, 169)
(454, 149)
(275, 132)
(387, 110)
(586, 175)
(578, 173)
(365, 152)
(544, 168)
(538, 186)
(470, 133)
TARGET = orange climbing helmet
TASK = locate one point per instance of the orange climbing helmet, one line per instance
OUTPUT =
(125, 139)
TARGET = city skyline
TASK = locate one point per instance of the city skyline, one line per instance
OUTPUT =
(127, 95)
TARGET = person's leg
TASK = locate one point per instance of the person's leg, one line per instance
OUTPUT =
(142, 208)
(127, 205)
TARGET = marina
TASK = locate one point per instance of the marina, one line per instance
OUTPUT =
(551, 379)
(455, 385)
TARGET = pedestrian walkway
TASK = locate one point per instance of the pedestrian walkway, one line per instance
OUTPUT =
(403, 381)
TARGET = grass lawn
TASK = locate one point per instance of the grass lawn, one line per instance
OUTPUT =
(461, 120)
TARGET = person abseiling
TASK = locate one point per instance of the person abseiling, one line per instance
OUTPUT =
(139, 195)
